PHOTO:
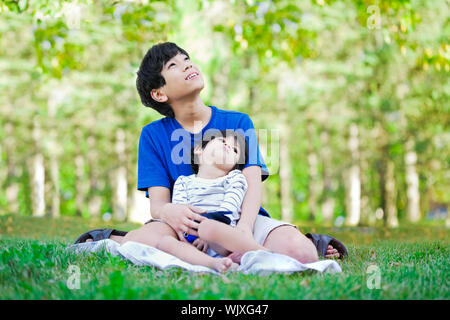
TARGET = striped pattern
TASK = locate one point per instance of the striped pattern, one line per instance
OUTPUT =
(221, 194)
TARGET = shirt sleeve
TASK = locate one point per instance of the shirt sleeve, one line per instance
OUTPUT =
(254, 154)
(235, 188)
(180, 191)
(151, 169)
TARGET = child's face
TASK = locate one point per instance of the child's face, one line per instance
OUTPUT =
(183, 78)
(222, 152)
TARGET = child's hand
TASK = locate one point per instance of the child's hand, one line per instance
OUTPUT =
(200, 244)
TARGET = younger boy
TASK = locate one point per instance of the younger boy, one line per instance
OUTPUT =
(217, 186)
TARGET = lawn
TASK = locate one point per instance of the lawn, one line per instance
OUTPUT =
(410, 263)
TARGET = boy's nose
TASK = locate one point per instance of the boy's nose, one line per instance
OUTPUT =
(188, 66)
(228, 146)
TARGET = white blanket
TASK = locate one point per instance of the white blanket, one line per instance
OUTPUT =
(254, 262)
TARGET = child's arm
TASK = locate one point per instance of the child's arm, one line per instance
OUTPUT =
(235, 189)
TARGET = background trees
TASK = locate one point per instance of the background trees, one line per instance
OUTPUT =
(357, 91)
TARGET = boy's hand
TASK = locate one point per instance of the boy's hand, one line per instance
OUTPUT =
(181, 217)
(200, 244)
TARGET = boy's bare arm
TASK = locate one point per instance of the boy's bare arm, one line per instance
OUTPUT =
(159, 196)
(252, 200)
(181, 217)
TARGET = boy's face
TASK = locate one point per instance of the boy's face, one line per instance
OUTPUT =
(223, 152)
(183, 78)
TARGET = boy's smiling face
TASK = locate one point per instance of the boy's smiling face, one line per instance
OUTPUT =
(182, 77)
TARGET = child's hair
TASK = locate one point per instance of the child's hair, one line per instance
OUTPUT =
(242, 145)
(149, 75)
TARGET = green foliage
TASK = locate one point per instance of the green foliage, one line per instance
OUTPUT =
(383, 66)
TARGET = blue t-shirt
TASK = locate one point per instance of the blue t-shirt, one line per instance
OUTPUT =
(165, 148)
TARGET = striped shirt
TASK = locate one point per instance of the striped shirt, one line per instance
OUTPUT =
(221, 194)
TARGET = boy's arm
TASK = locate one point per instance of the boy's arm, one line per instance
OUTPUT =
(181, 217)
(252, 200)
(160, 196)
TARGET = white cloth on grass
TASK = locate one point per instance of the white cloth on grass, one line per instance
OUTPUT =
(253, 262)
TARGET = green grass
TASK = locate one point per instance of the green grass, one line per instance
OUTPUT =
(413, 264)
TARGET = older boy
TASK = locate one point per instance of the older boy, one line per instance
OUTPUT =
(170, 83)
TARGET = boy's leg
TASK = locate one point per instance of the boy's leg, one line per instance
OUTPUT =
(290, 241)
(192, 255)
(230, 238)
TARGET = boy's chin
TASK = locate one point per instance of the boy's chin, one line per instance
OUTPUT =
(225, 167)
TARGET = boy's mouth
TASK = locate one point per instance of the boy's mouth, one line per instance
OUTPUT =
(227, 149)
(191, 75)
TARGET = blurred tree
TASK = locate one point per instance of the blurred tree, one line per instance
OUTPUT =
(357, 90)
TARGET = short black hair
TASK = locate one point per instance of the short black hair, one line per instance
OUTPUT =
(149, 75)
(242, 145)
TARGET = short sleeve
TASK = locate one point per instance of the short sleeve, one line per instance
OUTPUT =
(152, 171)
(235, 186)
(254, 154)
(235, 179)
(180, 191)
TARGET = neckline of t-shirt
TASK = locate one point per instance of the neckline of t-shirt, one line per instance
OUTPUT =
(194, 176)
(213, 113)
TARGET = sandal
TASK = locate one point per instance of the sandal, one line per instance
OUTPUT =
(322, 242)
(99, 234)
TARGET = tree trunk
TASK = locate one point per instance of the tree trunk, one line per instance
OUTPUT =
(390, 196)
(368, 216)
(354, 182)
(79, 172)
(120, 188)
(56, 96)
(387, 180)
(313, 175)
(12, 170)
(285, 172)
(327, 200)
(37, 174)
(412, 181)
(54, 174)
(95, 201)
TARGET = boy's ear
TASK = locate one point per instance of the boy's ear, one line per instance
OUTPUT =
(158, 95)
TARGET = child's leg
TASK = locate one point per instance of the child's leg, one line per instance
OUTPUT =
(150, 233)
(227, 237)
(192, 255)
